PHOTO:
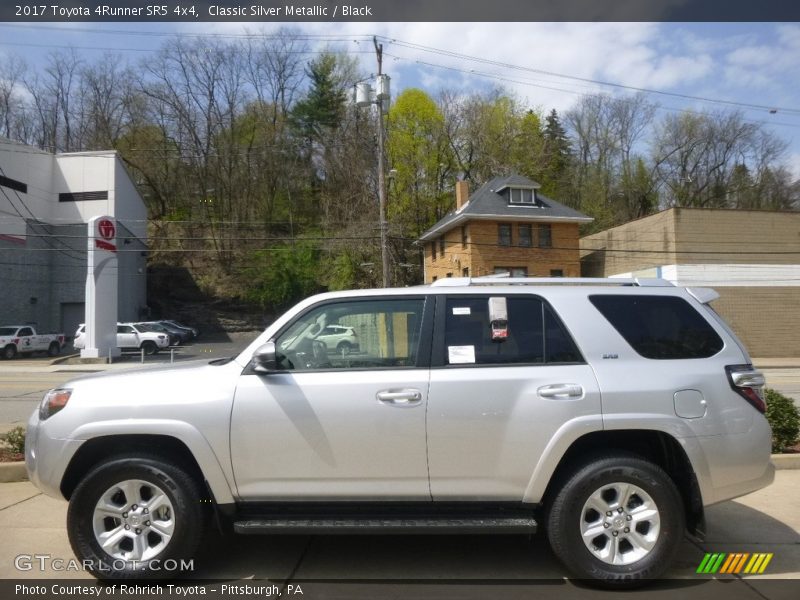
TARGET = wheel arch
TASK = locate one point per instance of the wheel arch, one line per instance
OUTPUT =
(167, 447)
(656, 446)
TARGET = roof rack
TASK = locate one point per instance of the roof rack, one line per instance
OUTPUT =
(505, 280)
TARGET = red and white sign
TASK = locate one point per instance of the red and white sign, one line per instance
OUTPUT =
(105, 236)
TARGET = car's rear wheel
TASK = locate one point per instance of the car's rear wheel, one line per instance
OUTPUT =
(135, 517)
(54, 349)
(617, 520)
(149, 347)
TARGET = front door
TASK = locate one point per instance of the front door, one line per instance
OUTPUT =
(334, 424)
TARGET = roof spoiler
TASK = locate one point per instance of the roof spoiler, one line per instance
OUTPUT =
(703, 295)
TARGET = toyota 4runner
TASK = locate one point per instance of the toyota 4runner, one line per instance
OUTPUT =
(607, 412)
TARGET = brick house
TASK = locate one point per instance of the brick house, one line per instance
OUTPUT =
(507, 225)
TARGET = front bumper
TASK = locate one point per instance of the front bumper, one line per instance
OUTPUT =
(46, 458)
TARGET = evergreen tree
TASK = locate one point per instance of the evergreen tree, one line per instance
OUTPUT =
(323, 107)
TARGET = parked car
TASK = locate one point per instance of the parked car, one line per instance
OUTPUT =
(130, 336)
(473, 406)
(23, 339)
(194, 331)
(176, 336)
(339, 338)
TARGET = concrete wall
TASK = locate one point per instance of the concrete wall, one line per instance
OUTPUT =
(482, 253)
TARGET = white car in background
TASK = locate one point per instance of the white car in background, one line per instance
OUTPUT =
(129, 337)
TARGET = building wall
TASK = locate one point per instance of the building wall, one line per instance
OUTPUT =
(642, 244)
(483, 253)
(766, 319)
(751, 258)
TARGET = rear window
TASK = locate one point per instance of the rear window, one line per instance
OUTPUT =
(660, 327)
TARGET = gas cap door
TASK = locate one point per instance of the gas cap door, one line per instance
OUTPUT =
(690, 404)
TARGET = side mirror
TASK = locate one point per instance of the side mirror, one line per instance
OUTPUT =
(264, 358)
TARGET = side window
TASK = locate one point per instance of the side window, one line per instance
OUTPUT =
(25, 331)
(660, 327)
(357, 334)
(535, 334)
(125, 329)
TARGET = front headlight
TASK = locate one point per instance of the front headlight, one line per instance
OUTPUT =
(53, 401)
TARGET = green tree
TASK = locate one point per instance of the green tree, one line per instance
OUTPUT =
(323, 106)
(419, 154)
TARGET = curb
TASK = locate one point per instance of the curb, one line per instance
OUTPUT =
(13, 471)
(62, 359)
(786, 461)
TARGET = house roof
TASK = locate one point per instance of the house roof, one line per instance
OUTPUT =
(486, 203)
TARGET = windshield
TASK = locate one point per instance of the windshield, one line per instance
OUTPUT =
(8, 330)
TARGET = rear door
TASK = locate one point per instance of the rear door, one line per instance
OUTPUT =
(126, 337)
(495, 405)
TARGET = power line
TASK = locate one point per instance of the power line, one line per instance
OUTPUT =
(460, 56)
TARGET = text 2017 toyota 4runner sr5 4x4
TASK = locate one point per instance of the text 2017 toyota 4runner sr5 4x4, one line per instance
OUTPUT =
(608, 412)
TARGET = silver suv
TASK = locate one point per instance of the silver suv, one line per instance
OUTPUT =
(608, 412)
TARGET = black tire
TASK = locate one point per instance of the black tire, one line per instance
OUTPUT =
(149, 348)
(344, 347)
(54, 349)
(9, 352)
(565, 517)
(181, 489)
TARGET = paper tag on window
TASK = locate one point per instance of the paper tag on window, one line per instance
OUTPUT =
(457, 355)
(461, 310)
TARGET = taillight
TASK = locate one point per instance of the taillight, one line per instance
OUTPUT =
(749, 384)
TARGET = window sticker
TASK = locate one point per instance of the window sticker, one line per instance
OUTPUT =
(461, 310)
(459, 355)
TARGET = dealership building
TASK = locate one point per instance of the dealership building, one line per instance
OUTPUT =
(46, 201)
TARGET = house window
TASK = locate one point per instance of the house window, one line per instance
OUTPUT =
(464, 236)
(513, 271)
(465, 272)
(520, 196)
(449, 275)
(504, 234)
(441, 246)
(525, 236)
(434, 278)
(556, 272)
(433, 251)
(545, 236)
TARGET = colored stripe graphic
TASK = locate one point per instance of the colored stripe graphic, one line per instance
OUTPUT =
(720, 562)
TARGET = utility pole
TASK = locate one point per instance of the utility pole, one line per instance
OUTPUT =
(381, 175)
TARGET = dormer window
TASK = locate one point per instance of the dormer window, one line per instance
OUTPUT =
(524, 196)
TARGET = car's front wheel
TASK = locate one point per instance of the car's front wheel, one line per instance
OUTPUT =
(617, 520)
(134, 517)
(149, 348)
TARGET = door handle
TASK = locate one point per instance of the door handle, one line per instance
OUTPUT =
(408, 397)
(561, 390)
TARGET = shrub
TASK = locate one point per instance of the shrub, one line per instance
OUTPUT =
(14, 439)
(784, 418)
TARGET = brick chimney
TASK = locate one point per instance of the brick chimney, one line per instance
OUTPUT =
(462, 194)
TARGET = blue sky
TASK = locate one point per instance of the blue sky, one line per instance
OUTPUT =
(750, 63)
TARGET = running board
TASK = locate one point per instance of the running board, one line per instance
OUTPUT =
(442, 525)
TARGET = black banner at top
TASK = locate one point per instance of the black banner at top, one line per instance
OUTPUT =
(398, 10)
